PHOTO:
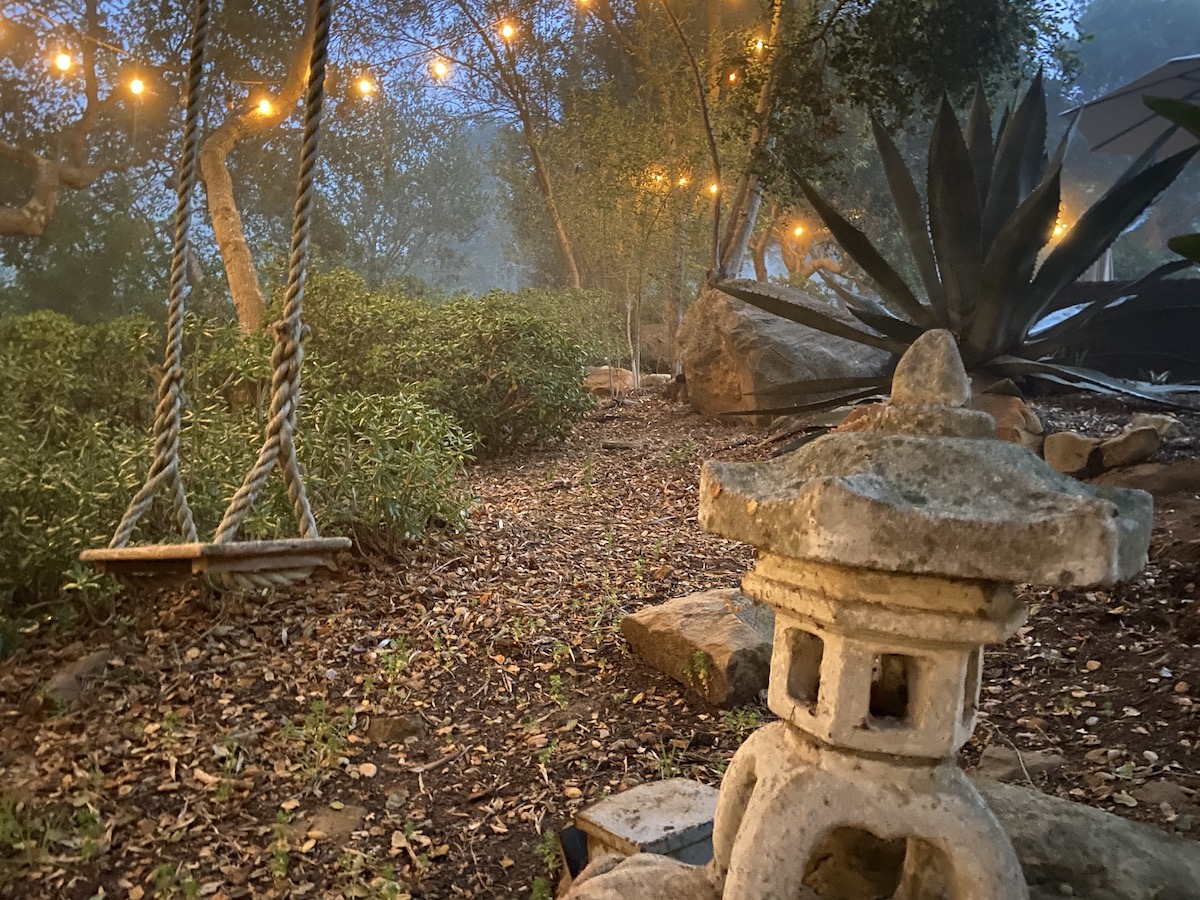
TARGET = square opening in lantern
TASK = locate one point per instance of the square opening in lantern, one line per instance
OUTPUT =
(893, 676)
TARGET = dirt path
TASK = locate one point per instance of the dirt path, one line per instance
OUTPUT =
(417, 728)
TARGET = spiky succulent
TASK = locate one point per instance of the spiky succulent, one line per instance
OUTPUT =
(979, 242)
(1186, 116)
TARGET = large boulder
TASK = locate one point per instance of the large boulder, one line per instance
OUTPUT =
(1068, 849)
(737, 357)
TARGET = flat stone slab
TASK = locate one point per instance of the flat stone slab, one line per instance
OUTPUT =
(718, 643)
(671, 818)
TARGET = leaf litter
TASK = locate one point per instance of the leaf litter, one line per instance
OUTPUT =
(421, 726)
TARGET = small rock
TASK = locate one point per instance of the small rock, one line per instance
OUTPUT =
(1015, 421)
(1168, 427)
(67, 685)
(707, 641)
(1092, 721)
(608, 381)
(1068, 451)
(1169, 792)
(1133, 446)
(395, 729)
(1184, 823)
(1006, 764)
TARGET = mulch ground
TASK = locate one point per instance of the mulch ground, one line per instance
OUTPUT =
(421, 726)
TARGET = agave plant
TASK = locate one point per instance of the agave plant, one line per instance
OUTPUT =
(1187, 116)
(980, 249)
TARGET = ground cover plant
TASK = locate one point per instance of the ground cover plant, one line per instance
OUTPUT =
(990, 259)
(399, 394)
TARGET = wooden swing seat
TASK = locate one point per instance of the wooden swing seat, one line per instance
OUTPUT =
(174, 561)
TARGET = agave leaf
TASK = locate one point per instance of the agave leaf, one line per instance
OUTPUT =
(1008, 269)
(853, 300)
(891, 285)
(888, 325)
(821, 386)
(1095, 230)
(980, 142)
(770, 301)
(1019, 160)
(815, 405)
(1184, 114)
(1186, 245)
(911, 212)
(1074, 376)
(954, 216)
(1049, 340)
(1146, 157)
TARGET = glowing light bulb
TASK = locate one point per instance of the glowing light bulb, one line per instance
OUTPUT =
(366, 86)
(714, 188)
(799, 230)
(758, 46)
(440, 69)
(732, 77)
(137, 86)
(507, 31)
(63, 62)
(264, 106)
(683, 181)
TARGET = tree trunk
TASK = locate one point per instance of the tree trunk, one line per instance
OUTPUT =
(746, 199)
(542, 174)
(227, 225)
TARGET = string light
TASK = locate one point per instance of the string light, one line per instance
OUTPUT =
(1060, 228)
(440, 69)
(799, 230)
(137, 86)
(732, 77)
(366, 86)
(714, 189)
(264, 106)
(63, 62)
(507, 31)
(683, 181)
(758, 46)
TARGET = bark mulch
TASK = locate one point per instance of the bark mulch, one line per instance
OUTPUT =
(420, 726)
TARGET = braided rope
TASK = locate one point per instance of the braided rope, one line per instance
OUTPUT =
(168, 411)
(278, 446)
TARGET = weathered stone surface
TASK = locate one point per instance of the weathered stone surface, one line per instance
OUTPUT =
(643, 877)
(1133, 446)
(959, 507)
(1160, 479)
(1015, 421)
(931, 373)
(1098, 855)
(737, 357)
(1001, 763)
(704, 641)
(395, 729)
(1168, 427)
(673, 818)
(1069, 452)
(608, 381)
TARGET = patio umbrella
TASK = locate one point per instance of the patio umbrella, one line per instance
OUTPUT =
(1119, 122)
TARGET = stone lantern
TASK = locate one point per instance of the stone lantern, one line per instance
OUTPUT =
(889, 555)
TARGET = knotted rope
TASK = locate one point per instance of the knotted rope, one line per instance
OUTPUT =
(279, 446)
(168, 412)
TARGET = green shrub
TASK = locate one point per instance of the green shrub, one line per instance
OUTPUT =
(380, 469)
(502, 370)
(398, 394)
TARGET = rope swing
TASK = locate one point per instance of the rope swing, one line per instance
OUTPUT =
(226, 562)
